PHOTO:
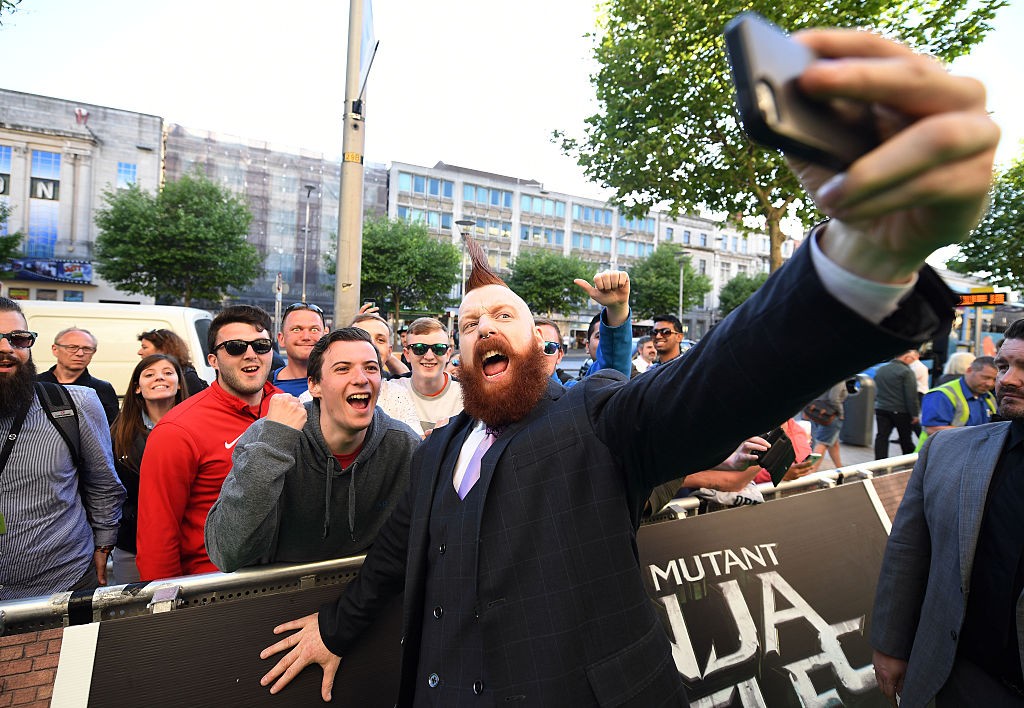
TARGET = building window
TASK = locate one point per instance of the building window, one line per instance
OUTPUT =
(46, 294)
(686, 237)
(702, 266)
(125, 174)
(703, 240)
(44, 205)
(668, 233)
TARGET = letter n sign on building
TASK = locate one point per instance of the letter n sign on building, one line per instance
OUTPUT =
(48, 189)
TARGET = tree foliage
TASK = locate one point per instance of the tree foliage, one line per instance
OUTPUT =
(995, 249)
(188, 241)
(404, 266)
(737, 290)
(544, 279)
(8, 7)
(666, 132)
(10, 244)
(654, 283)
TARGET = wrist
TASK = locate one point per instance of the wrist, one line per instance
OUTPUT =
(857, 254)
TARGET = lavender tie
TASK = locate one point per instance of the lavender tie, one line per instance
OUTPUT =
(473, 468)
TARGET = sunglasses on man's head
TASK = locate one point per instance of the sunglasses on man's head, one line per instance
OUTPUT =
(663, 332)
(419, 349)
(303, 306)
(20, 339)
(551, 348)
(237, 347)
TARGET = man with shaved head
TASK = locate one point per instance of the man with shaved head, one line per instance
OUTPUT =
(515, 544)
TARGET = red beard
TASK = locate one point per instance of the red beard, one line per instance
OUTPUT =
(511, 398)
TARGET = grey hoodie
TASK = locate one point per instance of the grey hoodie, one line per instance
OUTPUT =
(287, 499)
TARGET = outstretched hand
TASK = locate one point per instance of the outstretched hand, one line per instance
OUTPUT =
(610, 290)
(306, 647)
(926, 185)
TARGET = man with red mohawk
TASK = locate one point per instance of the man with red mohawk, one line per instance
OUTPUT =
(515, 544)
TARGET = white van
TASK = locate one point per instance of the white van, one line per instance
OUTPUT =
(117, 328)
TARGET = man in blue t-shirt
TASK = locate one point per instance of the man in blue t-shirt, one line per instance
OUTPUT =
(302, 326)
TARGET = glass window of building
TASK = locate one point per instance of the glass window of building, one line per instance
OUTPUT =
(447, 188)
(686, 237)
(468, 193)
(560, 209)
(668, 233)
(577, 212)
(403, 213)
(446, 220)
(524, 202)
(549, 207)
(702, 240)
(495, 197)
(434, 187)
(607, 217)
(44, 204)
(419, 184)
(481, 195)
(588, 213)
(702, 266)
(506, 199)
(125, 174)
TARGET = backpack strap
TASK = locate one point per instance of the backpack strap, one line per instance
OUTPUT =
(60, 408)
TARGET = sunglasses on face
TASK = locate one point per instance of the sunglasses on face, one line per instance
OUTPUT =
(237, 347)
(20, 339)
(551, 348)
(663, 332)
(419, 349)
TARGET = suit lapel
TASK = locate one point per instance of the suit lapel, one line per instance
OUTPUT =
(975, 477)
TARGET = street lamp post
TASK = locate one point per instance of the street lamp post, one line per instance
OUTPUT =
(682, 266)
(463, 224)
(305, 239)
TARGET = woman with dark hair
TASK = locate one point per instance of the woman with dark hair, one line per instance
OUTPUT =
(164, 341)
(154, 389)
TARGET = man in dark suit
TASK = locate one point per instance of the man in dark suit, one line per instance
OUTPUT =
(949, 611)
(73, 348)
(520, 570)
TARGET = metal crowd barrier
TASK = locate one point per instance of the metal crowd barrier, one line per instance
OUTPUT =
(823, 479)
(112, 602)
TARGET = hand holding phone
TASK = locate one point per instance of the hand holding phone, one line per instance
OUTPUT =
(766, 64)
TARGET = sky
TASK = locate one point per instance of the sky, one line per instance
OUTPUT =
(468, 82)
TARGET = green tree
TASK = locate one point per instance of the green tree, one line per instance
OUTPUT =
(995, 249)
(8, 7)
(737, 290)
(544, 279)
(10, 244)
(654, 282)
(404, 266)
(188, 241)
(665, 130)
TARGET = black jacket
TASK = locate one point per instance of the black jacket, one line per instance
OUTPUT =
(108, 397)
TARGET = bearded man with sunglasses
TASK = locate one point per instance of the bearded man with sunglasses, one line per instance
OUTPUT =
(58, 516)
(436, 395)
(188, 454)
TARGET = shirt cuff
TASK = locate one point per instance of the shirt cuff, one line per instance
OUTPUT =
(871, 300)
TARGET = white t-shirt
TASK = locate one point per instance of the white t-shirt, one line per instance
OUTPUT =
(436, 408)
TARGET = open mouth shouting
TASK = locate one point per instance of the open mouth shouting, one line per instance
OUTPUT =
(8, 364)
(494, 364)
(359, 401)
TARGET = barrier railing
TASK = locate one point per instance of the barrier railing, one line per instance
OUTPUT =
(819, 480)
(112, 602)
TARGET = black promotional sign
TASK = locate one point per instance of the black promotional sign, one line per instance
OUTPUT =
(769, 605)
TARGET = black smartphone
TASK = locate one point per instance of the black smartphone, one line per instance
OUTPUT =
(765, 65)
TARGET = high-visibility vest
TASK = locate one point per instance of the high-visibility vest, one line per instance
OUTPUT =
(961, 410)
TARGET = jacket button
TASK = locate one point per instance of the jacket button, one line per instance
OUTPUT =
(433, 680)
(478, 687)
(441, 549)
(438, 611)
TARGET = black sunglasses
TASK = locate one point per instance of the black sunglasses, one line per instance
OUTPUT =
(303, 306)
(20, 339)
(419, 349)
(551, 348)
(663, 332)
(237, 347)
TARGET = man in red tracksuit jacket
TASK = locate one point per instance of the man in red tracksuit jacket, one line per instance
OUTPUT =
(188, 454)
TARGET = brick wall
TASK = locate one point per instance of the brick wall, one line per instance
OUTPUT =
(28, 666)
